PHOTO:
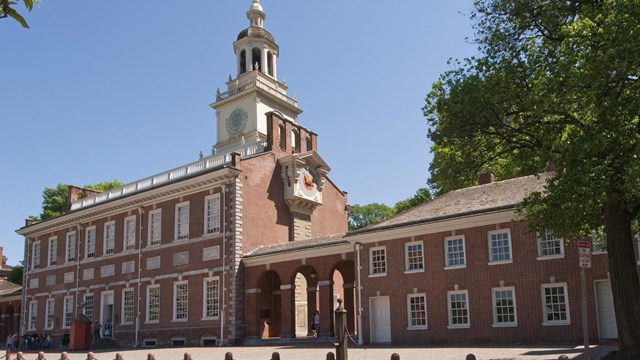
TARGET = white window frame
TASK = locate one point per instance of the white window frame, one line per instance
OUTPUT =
(489, 242)
(494, 306)
(52, 259)
(155, 304)
(420, 264)
(35, 254)
(181, 225)
(212, 219)
(109, 246)
(154, 236)
(129, 233)
(128, 307)
(545, 321)
(88, 302)
(90, 242)
(372, 268)
(450, 309)
(70, 246)
(211, 298)
(411, 311)
(33, 315)
(447, 254)
(67, 312)
(179, 299)
(547, 236)
(49, 314)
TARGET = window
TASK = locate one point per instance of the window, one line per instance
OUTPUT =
(87, 301)
(182, 221)
(127, 306)
(130, 233)
(212, 214)
(90, 249)
(454, 252)
(71, 247)
(549, 245)
(458, 309)
(49, 316)
(555, 304)
(53, 251)
(68, 311)
(33, 315)
(378, 261)
(155, 226)
(211, 301)
(180, 300)
(417, 311)
(504, 307)
(35, 255)
(110, 237)
(499, 246)
(414, 258)
(153, 303)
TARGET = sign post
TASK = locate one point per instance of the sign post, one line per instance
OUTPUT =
(584, 257)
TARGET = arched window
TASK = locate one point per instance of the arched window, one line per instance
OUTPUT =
(309, 145)
(256, 59)
(295, 141)
(270, 63)
(243, 62)
(283, 140)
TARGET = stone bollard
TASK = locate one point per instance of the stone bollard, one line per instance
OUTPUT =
(187, 356)
(41, 356)
(119, 356)
(563, 357)
(470, 357)
(228, 356)
(64, 356)
(395, 356)
(20, 355)
(151, 356)
(331, 356)
(90, 356)
(275, 356)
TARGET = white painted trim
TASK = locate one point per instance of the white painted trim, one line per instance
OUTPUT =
(298, 254)
(494, 322)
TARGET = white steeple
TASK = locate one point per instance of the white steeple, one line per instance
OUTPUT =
(255, 91)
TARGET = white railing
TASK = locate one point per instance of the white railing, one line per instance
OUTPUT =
(259, 83)
(206, 163)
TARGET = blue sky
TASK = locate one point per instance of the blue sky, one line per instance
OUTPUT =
(99, 91)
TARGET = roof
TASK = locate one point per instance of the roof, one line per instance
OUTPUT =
(307, 244)
(501, 195)
(256, 32)
(9, 288)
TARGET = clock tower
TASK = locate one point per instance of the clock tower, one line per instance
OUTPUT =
(255, 91)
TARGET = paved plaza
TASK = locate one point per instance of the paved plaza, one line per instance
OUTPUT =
(319, 351)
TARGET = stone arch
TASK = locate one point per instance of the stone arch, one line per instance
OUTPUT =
(256, 59)
(11, 324)
(269, 304)
(243, 62)
(304, 299)
(343, 281)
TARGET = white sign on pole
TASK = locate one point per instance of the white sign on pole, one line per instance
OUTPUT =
(584, 254)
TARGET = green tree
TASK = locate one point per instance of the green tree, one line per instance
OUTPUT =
(7, 8)
(362, 216)
(15, 276)
(54, 200)
(554, 80)
(422, 195)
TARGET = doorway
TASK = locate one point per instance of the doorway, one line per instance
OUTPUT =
(106, 314)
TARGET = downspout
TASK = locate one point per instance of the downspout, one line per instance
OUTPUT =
(360, 340)
(141, 213)
(77, 272)
(25, 281)
(224, 261)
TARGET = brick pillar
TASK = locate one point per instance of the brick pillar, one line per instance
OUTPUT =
(312, 304)
(287, 316)
(254, 323)
(349, 305)
(326, 308)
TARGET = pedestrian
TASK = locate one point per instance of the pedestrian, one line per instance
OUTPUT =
(316, 323)
(96, 330)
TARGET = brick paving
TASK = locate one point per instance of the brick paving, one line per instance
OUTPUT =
(319, 351)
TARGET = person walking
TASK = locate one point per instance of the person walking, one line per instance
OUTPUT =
(96, 330)
(316, 323)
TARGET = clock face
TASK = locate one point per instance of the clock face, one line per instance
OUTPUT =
(237, 120)
(308, 182)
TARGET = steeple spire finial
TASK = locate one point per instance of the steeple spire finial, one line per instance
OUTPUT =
(255, 14)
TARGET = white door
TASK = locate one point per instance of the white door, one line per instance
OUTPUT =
(606, 312)
(380, 320)
(106, 315)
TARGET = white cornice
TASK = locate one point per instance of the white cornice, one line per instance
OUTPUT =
(183, 187)
(294, 254)
(457, 223)
(256, 90)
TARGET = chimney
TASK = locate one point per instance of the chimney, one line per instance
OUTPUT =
(486, 177)
(76, 193)
(28, 222)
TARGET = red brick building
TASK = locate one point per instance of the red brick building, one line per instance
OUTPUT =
(245, 244)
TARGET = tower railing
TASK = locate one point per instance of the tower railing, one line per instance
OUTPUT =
(255, 82)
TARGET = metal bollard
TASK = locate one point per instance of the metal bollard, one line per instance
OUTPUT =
(90, 356)
(20, 355)
(330, 356)
(395, 356)
(151, 356)
(41, 356)
(64, 356)
(275, 356)
(228, 356)
(187, 356)
(470, 357)
(119, 356)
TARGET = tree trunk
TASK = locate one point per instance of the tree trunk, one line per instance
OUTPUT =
(625, 283)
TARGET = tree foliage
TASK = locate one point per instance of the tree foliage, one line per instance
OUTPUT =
(7, 9)
(15, 276)
(362, 216)
(555, 80)
(422, 195)
(54, 200)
